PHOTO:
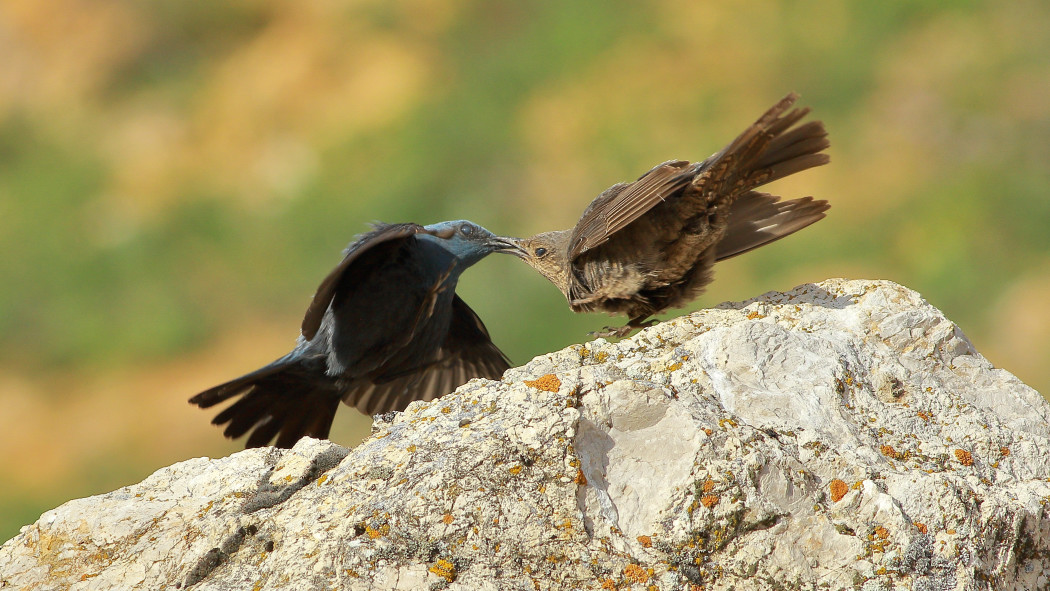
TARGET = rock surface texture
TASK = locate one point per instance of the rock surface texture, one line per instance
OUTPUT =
(843, 435)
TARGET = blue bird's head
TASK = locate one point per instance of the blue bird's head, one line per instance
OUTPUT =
(470, 242)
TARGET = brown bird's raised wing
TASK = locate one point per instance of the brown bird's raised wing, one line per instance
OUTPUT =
(468, 352)
(777, 156)
(620, 205)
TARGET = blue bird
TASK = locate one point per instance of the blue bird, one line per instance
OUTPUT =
(384, 328)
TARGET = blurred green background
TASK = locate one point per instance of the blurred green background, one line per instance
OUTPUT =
(176, 178)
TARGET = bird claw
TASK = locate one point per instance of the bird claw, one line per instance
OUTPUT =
(621, 331)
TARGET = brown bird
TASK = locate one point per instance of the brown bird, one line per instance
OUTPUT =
(646, 246)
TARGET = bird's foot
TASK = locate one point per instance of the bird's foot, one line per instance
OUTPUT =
(621, 331)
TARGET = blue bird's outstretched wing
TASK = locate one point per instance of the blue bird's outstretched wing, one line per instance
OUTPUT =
(468, 352)
(326, 291)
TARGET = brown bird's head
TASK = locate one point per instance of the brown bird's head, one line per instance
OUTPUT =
(548, 254)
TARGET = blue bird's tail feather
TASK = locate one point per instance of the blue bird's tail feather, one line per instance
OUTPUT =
(283, 400)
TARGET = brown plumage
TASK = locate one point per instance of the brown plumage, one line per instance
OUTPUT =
(642, 247)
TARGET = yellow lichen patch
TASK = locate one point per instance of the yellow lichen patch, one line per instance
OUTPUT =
(677, 365)
(580, 479)
(964, 457)
(547, 383)
(515, 470)
(882, 533)
(444, 569)
(446, 409)
(377, 532)
(322, 479)
(635, 573)
(924, 416)
(723, 422)
(839, 488)
(601, 356)
(709, 501)
(888, 451)
(411, 449)
(920, 526)
(608, 583)
(707, 486)
(645, 541)
(752, 315)
(707, 431)
(447, 518)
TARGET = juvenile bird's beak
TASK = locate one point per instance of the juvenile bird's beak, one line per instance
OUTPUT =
(508, 246)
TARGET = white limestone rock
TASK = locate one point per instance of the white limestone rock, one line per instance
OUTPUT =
(843, 435)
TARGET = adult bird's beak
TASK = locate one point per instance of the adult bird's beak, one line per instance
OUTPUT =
(507, 245)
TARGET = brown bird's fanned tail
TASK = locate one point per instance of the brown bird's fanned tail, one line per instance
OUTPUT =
(770, 149)
(756, 219)
(795, 151)
(280, 400)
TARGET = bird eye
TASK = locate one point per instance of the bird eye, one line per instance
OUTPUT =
(540, 251)
(466, 230)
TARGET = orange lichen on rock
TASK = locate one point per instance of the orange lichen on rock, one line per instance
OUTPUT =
(1005, 451)
(635, 573)
(580, 479)
(547, 383)
(709, 501)
(964, 457)
(921, 527)
(882, 533)
(447, 518)
(645, 541)
(888, 451)
(444, 569)
(708, 486)
(925, 416)
(839, 488)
